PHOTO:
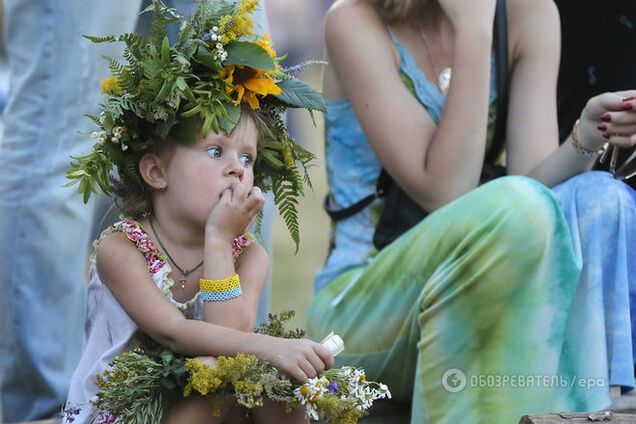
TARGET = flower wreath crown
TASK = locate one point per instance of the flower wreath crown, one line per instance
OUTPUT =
(172, 91)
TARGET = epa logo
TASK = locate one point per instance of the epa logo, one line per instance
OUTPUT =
(454, 380)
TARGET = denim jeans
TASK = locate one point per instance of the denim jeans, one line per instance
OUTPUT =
(54, 80)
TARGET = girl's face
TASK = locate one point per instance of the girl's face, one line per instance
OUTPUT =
(197, 174)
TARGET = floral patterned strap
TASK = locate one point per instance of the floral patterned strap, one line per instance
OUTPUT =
(133, 231)
(240, 243)
(154, 257)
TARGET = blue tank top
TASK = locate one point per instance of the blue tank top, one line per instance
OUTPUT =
(353, 168)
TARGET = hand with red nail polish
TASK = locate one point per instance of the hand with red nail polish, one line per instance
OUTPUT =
(613, 116)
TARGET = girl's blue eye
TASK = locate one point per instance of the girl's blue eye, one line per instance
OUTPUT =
(246, 160)
(214, 152)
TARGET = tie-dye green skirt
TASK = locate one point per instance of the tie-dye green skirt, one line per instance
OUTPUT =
(465, 315)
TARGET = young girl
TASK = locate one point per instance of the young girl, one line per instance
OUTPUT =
(184, 272)
(464, 312)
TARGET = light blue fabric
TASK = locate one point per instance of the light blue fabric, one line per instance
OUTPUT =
(601, 213)
(54, 80)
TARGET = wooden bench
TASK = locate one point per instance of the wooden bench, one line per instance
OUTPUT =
(568, 418)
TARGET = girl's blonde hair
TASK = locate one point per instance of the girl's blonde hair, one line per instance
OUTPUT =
(401, 10)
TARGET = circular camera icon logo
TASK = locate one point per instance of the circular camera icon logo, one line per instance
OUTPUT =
(454, 380)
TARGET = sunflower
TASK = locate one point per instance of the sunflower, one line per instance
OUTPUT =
(248, 83)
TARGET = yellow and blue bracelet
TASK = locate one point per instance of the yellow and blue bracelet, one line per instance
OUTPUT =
(220, 290)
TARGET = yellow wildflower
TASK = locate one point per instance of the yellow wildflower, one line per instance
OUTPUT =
(288, 157)
(110, 85)
(248, 83)
(203, 378)
(223, 23)
(247, 6)
(265, 44)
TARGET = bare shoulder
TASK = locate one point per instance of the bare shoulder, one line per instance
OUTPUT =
(532, 24)
(349, 8)
(346, 15)
(521, 11)
(116, 255)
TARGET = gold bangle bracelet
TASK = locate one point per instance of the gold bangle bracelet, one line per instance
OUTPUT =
(574, 138)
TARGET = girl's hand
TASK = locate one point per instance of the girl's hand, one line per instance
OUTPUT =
(235, 210)
(299, 358)
(608, 117)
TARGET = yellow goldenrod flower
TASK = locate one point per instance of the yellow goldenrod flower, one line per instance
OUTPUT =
(110, 85)
(234, 27)
(248, 83)
(247, 6)
(203, 378)
(288, 157)
(265, 44)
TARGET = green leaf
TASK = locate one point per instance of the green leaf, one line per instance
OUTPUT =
(204, 57)
(249, 54)
(166, 89)
(185, 130)
(298, 94)
(107, 39)
(227, 123)
(165, 51)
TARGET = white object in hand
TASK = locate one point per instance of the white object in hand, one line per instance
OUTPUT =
(334, 343)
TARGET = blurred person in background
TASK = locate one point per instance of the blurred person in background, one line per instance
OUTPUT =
(43, 225)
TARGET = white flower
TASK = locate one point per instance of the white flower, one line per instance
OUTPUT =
(214, 37)
(124, 147)
(215, 28)
(219, 46)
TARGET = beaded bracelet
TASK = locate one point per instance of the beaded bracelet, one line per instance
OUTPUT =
(220, 290)
(574, 138)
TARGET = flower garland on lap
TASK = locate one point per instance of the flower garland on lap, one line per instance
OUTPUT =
(142, 383)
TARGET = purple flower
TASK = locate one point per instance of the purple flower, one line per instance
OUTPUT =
(207, 36)
(333, 387)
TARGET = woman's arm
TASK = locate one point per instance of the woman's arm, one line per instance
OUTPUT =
(533, 144)
(433, 164)
(124, 271)
(533, 147)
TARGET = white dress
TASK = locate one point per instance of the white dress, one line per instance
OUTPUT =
(109, 330)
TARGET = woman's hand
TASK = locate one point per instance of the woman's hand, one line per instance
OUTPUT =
(235, 210)
(608, 117)
(299, 358)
